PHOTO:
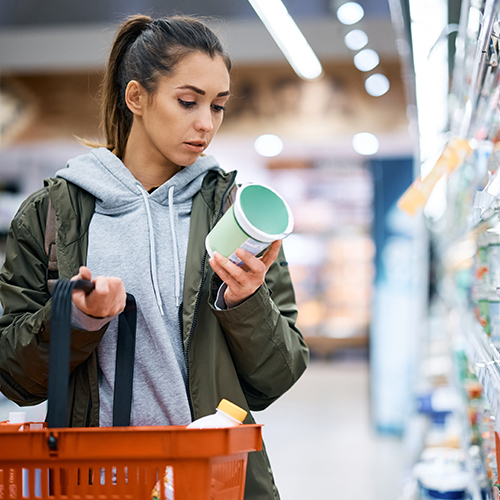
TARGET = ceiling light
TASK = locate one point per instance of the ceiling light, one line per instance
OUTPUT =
(350, 13)
(356, 39)
(377, 84)
(365, 143)
(366, 60)
(289, 38)
(268, 145)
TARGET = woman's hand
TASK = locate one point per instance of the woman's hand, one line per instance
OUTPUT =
(243, 281)
(107, 299)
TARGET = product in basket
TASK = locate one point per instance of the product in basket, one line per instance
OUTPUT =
(168, 486)
(227, 414)
(16, 420)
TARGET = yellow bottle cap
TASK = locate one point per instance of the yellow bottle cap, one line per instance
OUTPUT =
(232, 410)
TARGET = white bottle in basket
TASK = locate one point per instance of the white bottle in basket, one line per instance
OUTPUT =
(17, 417)
(227, 414)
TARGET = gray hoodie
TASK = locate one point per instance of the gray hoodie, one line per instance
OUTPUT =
(142, 238)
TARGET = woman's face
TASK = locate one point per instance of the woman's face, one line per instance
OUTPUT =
(186, 111)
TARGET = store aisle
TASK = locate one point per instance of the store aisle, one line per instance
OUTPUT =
(320, 441)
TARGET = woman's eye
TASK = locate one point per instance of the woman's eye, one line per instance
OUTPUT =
(186, 104)
(218, 108)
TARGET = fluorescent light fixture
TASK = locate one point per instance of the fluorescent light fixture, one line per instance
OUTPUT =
(289, 38)
(356, 39)
(366, 60)
(430, 61)
(268, 145)
(350, 13)
(365, 143)
(377, 85)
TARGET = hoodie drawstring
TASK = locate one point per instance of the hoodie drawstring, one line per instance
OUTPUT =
(174, 242)
(152, 250)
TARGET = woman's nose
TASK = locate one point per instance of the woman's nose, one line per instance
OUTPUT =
(204, 120)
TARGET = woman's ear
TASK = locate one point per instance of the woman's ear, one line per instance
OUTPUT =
(134, 97)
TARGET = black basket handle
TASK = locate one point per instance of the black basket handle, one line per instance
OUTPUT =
(59, 355)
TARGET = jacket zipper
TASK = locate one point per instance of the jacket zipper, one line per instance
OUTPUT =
(198, 298)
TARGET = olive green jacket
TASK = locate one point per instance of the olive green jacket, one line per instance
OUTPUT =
(250, 354)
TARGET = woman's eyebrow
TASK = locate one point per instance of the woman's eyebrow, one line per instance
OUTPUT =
(201, 91)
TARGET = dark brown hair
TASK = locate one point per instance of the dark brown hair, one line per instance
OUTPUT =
(143, 50)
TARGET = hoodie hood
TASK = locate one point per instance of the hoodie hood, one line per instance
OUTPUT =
(104, 176)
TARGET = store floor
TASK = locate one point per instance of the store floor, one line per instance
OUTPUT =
(320, 440)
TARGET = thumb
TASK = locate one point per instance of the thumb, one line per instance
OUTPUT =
(85, 273)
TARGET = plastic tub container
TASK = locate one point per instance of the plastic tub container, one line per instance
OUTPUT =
(258, 216)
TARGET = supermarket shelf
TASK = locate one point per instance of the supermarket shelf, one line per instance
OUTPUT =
(485, 360)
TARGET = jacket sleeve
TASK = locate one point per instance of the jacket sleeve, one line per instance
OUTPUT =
(25, 324)
(268, 350)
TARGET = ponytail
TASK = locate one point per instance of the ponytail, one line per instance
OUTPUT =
(144, 50)
(116, 117)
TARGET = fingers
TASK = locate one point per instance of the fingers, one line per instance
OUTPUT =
(107, 299)
(83, 274)
(245, 280)
(228, 272)
(260, 264)
(271, 253)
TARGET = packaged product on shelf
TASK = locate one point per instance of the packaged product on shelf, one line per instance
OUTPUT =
(441, 474)
(494, 307)
(486, 427)
(479, 471)
(481, 296)
(452, 485)
(482, 273)
(493, 258)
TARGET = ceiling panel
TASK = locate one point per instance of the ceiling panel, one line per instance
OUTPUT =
(61, 12)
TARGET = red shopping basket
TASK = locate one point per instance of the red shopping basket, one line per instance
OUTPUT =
(126, 462)
(121, 462)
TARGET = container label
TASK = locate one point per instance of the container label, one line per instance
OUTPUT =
(250, 245)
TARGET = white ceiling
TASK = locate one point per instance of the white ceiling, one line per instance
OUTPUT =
(29, 49)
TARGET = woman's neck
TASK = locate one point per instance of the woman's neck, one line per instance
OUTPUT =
(146, 163)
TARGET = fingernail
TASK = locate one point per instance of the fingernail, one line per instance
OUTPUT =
(220, 257)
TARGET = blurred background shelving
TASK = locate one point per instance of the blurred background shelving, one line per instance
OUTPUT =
(360, 265)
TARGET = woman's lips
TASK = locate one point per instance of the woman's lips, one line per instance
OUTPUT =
(196, 147)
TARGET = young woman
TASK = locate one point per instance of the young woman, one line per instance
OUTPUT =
(132, 216)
